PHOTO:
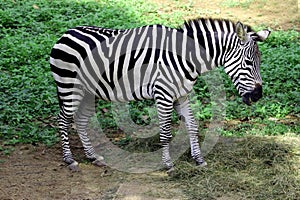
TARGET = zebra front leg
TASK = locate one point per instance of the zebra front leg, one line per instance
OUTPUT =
(183, 109)
(85, 111)
(164, 109)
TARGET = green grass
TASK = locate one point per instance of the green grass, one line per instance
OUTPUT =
(28, 104)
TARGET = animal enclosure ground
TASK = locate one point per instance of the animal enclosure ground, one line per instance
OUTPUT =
(239, 168)
(274, 13)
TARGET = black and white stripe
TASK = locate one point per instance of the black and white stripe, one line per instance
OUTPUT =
(150, 62)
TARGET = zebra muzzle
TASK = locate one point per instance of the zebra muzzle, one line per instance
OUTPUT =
(253, 96)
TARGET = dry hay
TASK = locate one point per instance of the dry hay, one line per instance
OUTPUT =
(244, 168)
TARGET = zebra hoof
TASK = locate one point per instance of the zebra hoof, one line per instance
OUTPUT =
(99, 162)
(171, 171)
(202, 164)
(74, 167)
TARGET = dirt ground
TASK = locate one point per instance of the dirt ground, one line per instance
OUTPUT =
(37, 172)
(274, 14)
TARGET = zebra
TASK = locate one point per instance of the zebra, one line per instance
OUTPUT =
(150, 62)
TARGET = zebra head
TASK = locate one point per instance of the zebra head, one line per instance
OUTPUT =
(242, 64)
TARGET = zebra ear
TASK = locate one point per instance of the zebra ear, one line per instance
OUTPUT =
(241, 31)
(262, 35)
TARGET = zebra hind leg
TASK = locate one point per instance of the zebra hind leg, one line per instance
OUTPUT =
(85, 111)
(64, 121)
(69, 103)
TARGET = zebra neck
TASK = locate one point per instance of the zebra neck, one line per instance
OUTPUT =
(212, 40)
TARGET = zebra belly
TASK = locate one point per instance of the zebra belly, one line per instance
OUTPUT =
(121, 92)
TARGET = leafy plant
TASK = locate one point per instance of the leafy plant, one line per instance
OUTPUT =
(28, 102)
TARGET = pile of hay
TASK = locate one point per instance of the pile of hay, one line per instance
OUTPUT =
(244, 168)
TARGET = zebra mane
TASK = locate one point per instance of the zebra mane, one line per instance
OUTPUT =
(205, 21)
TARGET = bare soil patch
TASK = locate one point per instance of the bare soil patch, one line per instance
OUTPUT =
(276, 14)
(37, 172)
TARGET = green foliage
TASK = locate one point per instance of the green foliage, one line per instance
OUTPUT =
(29, 29)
